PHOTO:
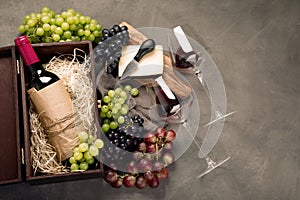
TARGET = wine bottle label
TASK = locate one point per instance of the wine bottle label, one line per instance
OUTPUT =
(55, 109)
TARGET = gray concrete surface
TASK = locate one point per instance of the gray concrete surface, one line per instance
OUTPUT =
(256, 45)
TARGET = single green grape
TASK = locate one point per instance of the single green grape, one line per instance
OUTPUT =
(124, 110)
(73, 27)
(109, 114)
(87, 33)
(87, 155)
(110, 106)
(52, 21)
(114, 111)
(106, 121)
(93, 21)
(64, 15)
(93, 150)
(53, 28)
(30, 30)
(80, 32)
(82, 20)
(46, 27)
(117, 106)
(31, 23)
(45, 19)
(71, 20)
(67, 34)
(59, 31)
(78, 14)
(96, 33)
(111, 93)
(99, 143)
(113, 125)
(92, 27)
(105, 128)
(121, 119)
(91, 37)
(76, 19)
(21, 29)
(106, 99)
(39, 31)
(102, 115)
(83, 166)
(87, 19)
(134, 92)
(76, 149)
(65, 26)
(72, 160)
(74, 167)
(91, 139)
(83, 136)
(104, 109)
(83, 147)
(55, 37)
(98, 27)
(59, 21)
(81, 160)
(123, 94)
(78, 155)
(90, 161)
(72, 11)
(48, 40)
(121, 100)
(118, 91)
(128, 88)
(45, 9)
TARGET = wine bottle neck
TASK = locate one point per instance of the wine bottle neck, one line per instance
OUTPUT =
(35, 69)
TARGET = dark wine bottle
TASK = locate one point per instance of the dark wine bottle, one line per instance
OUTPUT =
(39, 77)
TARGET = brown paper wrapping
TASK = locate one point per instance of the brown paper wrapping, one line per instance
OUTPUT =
(55, 109)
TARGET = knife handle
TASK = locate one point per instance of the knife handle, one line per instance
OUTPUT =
(146, 47)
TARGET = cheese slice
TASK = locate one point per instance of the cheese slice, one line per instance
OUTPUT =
(151, 64)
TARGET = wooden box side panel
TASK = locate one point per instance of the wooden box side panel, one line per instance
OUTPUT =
(10, 156)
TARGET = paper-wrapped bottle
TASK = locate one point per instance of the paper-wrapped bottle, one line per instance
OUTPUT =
(51, 102)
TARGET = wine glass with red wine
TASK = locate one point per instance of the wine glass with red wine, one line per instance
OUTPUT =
(185, 59)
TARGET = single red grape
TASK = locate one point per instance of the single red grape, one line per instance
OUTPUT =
(129, 181)
(154, 183)
(150, 138)
(168, 158)
(141, 182)
(118, 183)
(169, 136)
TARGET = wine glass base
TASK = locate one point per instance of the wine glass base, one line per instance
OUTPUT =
(212, 165)
(219, 118)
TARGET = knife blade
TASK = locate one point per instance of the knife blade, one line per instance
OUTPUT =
(146, 47)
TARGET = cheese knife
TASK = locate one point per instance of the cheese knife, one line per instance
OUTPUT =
(146, 47)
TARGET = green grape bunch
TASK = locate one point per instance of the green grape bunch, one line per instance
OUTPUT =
(48, 26)
(84, 154)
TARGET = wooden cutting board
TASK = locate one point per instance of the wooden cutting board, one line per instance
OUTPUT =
(178, 86)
